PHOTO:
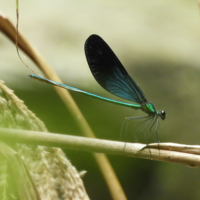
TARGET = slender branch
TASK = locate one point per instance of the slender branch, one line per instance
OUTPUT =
(168, 152)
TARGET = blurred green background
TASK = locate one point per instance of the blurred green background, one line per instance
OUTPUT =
(158, 42)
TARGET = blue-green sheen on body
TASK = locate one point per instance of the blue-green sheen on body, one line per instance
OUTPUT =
(149, 108)
(39, 78)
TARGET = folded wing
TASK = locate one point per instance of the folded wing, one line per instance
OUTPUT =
(109, 72)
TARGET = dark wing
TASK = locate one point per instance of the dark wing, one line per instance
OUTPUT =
(109, 72)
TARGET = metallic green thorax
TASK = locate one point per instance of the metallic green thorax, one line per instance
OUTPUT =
(149, 108)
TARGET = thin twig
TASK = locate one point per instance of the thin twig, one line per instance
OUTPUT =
(168, 152)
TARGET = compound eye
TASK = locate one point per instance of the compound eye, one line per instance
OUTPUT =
(163, 114)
